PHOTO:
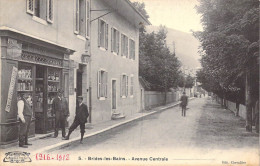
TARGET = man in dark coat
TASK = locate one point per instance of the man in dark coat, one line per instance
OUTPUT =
(25, 113)
(80, 118)
(61, 111)
(183, 104)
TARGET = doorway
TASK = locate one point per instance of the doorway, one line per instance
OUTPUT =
(79, 80)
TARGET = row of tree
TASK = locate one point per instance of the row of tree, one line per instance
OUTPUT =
(230, 51)
(157, 64)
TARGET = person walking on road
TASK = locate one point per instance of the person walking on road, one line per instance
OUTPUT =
(80, 118)
(25, 116)
(61, 111)
(183, 104)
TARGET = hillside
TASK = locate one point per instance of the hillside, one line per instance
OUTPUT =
(186, 46)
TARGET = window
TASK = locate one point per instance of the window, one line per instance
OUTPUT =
(114, 40)
(102, 34)
(132, 85)
(124, 86)
(132, 49)
(82, 18)
(102, 84)
(124, 45)
(41, 8)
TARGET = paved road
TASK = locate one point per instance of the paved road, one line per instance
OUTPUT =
(207, 134)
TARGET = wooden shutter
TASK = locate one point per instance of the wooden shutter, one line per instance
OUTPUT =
(106, 36)
(106, 80)
(122, 45)
(77, 17)
(117, 42)
(126, 47)
(50, 11)
(98, 83)
(88, 19)
(99, 32)
(112, 40)
(126, 86)
(30, 6)
(121, 85)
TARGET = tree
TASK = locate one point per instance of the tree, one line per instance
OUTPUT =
(230, 48)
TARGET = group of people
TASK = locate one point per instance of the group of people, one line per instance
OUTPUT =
(61, 111)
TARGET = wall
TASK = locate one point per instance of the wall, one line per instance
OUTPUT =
(115, 65)
(153, 99)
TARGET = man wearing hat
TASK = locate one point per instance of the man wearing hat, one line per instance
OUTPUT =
(80, 118)
(183, 104)
(61, 111)
(25, 115)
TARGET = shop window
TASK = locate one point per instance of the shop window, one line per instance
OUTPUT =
(82, 18)
(124, 86)
(114, 40)
(132, 49)
(124, 45)
(41, 8)
(102, 84)
(102, 34)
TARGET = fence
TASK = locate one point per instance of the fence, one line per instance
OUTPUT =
(154, 99)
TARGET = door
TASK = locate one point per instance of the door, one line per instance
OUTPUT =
(79, 82)
(113, 94)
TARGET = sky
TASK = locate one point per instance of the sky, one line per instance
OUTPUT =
(176, 14)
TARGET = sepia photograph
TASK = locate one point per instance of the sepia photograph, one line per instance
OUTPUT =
(129, 82)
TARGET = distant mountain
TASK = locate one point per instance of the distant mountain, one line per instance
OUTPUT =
(186, 46)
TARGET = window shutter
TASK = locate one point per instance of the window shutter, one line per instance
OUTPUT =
(50, 11)
(112, 40)
(126, 43)
(106, 79)
(122, 45)
(99, 32)
(30, 6)
(106, 36)
(117, 42)
(126, 87)
(133, 50)
(98, 84)
(88, 19)
(121, 85)
(77, 17)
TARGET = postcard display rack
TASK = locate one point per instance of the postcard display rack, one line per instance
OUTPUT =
(42, 84)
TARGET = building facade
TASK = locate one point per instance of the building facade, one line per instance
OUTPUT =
(87, 48)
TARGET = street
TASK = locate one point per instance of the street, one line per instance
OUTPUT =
(207, 132)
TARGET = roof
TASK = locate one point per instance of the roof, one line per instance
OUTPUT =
(127, 10)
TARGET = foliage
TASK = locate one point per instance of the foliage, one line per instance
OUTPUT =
(157, 64)
(141, 8)
(230, 45)
(185, 81)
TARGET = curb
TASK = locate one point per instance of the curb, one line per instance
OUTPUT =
(64, 143)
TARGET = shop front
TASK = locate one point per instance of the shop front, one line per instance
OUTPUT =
(36, 67)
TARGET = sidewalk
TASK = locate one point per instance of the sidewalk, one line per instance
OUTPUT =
(45, 142)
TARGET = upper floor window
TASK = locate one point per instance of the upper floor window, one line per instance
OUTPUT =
(124, 86)
(41, 8)
(82, 17)
(114, 40)
(102, 34)
(132, 49)
(102, 84)
(124, 45)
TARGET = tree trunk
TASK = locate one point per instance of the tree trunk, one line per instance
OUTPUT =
(248, 103)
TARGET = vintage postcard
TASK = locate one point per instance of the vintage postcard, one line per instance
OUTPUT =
(129, 82)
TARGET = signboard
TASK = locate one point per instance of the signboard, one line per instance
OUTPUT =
(14, 49)
(11, 89)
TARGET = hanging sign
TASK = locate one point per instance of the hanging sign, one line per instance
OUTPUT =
(11, 89)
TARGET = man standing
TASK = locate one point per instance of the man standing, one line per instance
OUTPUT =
(25, 115)
(80, 118)
(61, 111)
(183, 104)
